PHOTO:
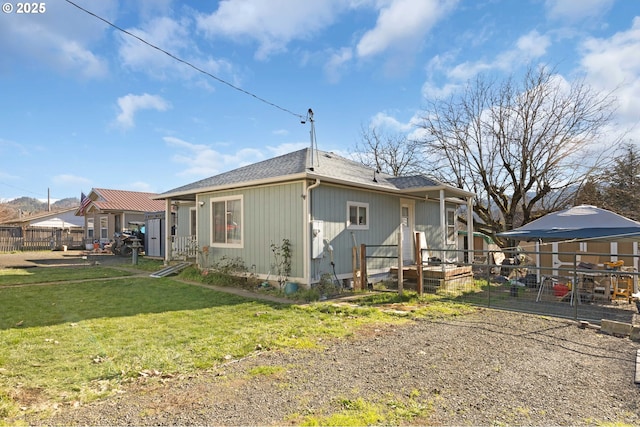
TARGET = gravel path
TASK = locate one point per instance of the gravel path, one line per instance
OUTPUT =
(487, 368)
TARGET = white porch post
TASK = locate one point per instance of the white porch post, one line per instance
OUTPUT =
(167, 231)
(470, 245)
(443, 227)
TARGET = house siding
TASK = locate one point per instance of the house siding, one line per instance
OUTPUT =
(428, 222)
(271, 213)
(329, 204)
(183, 213)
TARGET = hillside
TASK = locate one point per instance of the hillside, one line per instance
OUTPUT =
(30, 206)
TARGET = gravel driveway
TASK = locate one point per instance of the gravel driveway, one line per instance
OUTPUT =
(491, 367)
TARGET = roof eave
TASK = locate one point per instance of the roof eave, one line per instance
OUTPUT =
(450, 191)
(181, 195)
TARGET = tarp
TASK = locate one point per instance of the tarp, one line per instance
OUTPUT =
(578, 222)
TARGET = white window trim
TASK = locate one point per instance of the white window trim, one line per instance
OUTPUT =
(193, 227)
(91, 227)
(451, 237)
(211, 230)
(351, 226)
(104, 219)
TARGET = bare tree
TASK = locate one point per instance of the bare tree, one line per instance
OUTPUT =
(520, 146)
(394, 154)
(622, 183)
(7, 213)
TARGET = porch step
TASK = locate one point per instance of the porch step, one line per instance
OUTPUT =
(170, 270)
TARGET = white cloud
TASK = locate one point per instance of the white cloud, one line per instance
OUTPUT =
(285, 148)
(60, 39)
(66, 179)
(527, 48)
(432, 91)
(140, 186)
(336, 63)
(162, 32)
(613, 64)
(272, 24)
(385, 121)
(201, 161)
(174, 37)
(574, 11)
(130, 104)
(12, 148)
(403, 24)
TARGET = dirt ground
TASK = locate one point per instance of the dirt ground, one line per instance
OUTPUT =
(57, 258)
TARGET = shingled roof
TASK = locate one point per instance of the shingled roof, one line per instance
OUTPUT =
(312, 164)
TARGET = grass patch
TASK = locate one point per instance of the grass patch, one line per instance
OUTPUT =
(267, 370)
(81, 341)
(361, 412)
(22, 276)
(145, 264)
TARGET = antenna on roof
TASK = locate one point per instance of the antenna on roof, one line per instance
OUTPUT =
(312, 133)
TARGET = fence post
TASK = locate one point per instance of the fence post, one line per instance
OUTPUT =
(363, 267)
(574, 287)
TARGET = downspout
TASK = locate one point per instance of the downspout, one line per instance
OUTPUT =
(307, 234)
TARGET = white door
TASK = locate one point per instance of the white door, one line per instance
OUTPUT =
(406, 220)
(153, 238)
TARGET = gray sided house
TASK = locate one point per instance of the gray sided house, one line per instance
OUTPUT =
(323, 204)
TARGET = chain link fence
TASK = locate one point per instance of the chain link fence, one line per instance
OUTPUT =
(593, 287)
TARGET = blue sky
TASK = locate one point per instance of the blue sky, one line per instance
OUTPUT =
(84, 105)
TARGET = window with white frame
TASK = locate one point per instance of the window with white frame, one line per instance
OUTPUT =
(226, 221)
(357, 216)
(90, 228)
(104, 227)
(451, 225)
(192, 221)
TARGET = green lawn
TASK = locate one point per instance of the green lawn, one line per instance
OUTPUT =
(81, 340)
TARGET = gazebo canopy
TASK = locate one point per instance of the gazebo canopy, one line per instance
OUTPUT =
(579, 222)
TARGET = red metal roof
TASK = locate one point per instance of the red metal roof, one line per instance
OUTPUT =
(120, 200)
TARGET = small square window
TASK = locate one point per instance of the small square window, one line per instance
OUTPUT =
(357, 216)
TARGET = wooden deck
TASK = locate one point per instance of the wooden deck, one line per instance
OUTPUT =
(435, 277)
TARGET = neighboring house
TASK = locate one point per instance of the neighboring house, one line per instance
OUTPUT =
(53, 230)
(62, 219)
(107, 212)
(324, 204)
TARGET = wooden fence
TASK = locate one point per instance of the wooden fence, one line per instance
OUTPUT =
(15, 239)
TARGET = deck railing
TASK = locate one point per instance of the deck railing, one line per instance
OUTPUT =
(184, 247)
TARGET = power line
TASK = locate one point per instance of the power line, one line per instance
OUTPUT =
(23, 189)
(200, 70)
